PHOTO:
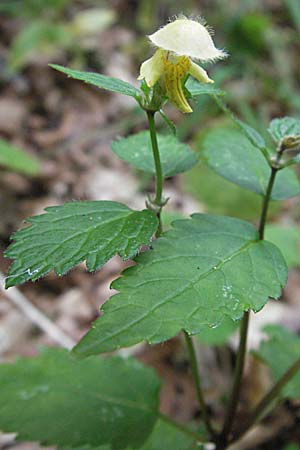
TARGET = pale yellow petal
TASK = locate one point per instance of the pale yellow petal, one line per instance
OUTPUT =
(187, 37)
(152, 69)
(200, 74)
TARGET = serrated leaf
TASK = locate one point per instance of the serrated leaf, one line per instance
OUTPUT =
(285, 126)
(16, 160)
(220, 334)
(101, 81)
(137, 151)
(195, 88)
(287, 239)
(58, 401)
(231, 155)
(286, 347)
(203, 270)
(91, 231)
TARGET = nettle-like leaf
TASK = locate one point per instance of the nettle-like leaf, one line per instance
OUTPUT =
(91, 231)
(231, 155)
(286, 347)
(285, 126)
(101, 81)
(16, 160)
(195, 88)
(205, 269)
(287, 239)
(137, 151)
(58, 401)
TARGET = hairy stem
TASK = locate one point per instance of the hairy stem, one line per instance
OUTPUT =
(198, 384)
(158, 203)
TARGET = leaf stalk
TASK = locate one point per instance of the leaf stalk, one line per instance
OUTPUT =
(225, 435)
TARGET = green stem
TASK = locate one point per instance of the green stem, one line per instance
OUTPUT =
(198, 384)
(224, 437)
(266, 203)
(158, 203)
(237, 381)
(180, 427)
(268, 399)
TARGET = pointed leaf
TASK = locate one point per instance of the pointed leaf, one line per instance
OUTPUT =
(101, 81)
(137, 151)
(279, 352)
(58, 401)
(203, 270)
(231, 155)
(91, 231)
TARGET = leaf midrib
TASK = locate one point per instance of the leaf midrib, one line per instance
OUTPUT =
(171, 296)
(78, 233)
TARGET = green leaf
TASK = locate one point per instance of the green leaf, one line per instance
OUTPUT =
(287, 239)
(16, 160)
(166, 437)
(58, 401)
(137, 151)
(286, 126)
(91, 231)
(195, 88)
(101, 81)
(219, 335)
(286, 347)
(231, 155)
(203, 270)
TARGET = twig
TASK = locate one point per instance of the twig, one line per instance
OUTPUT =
(35, 315)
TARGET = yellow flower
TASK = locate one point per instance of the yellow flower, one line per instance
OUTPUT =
(178, 44)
